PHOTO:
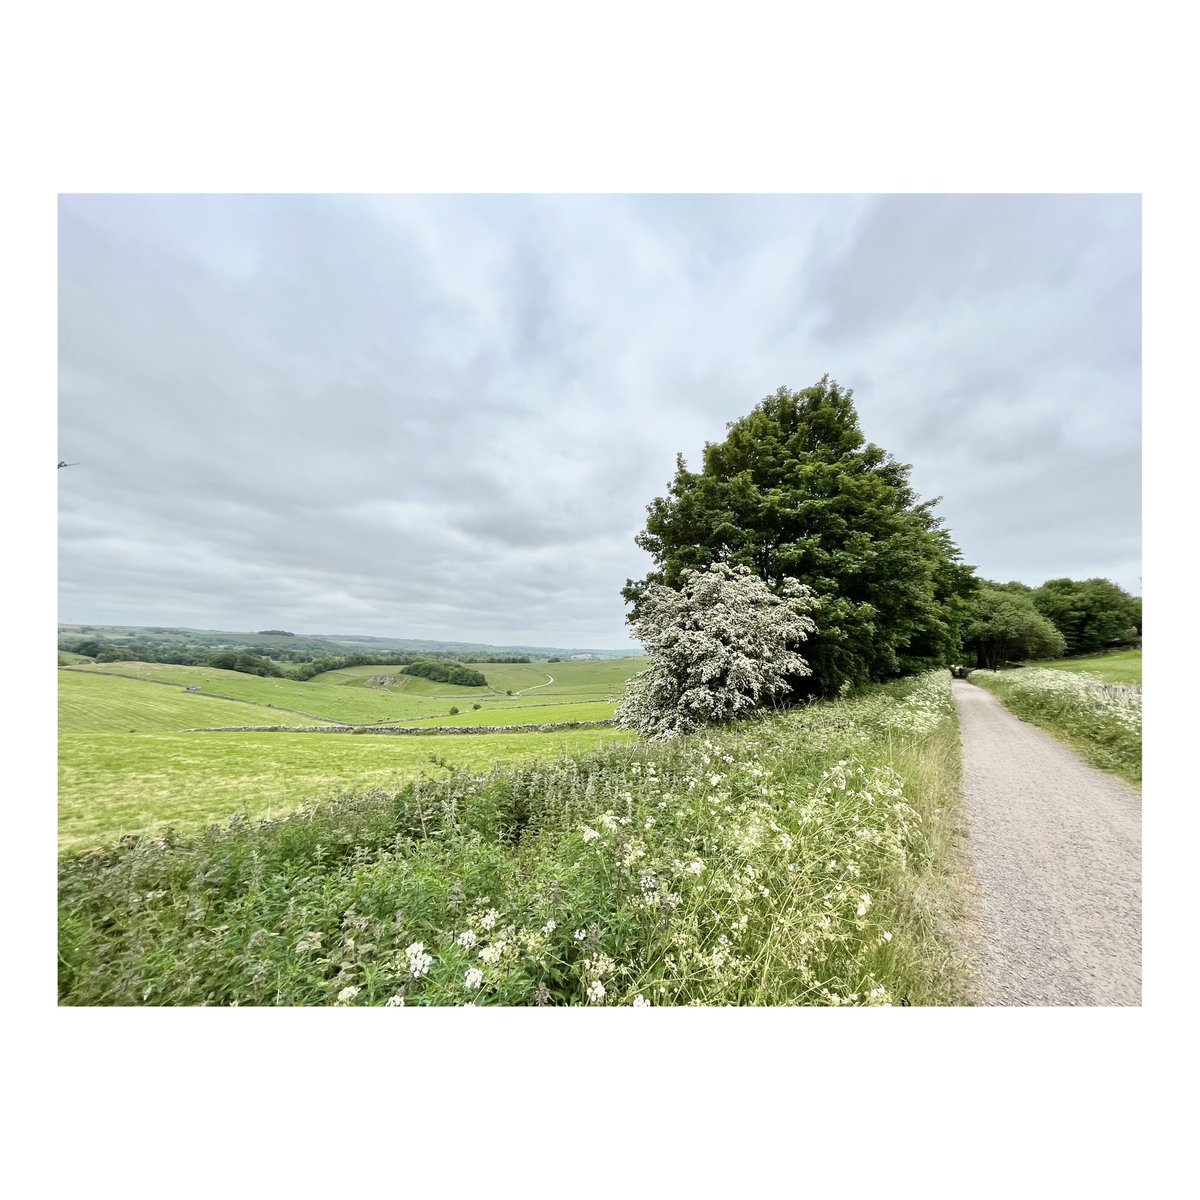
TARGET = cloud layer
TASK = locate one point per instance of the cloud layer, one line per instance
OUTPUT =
(443, 416)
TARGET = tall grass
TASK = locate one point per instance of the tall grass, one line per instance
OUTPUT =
(1102, 720)
(809, 858)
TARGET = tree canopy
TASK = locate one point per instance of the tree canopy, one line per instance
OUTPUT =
(1005, 627)
(1088, 613)
(796, 491)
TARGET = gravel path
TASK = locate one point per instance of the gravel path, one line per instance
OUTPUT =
(1057, 851)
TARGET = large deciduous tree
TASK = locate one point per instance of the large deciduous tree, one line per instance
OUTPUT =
(1088, 613)
(720, 646)
(1005, 627)
(795, 491)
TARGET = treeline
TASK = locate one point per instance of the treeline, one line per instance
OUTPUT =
(1062, 618)
(104, 651)
(307, 663)
(244, 661)
(440, 670)
(445, 672)
(795, 491)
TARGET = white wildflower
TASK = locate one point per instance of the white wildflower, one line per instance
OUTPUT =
(347, 994)
(595, 992)
(467, 938)
(473, 978)
(418, 961)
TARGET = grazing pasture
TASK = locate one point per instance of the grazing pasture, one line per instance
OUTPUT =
(128, 764)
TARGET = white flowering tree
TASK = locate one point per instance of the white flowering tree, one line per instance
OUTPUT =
(720, 646)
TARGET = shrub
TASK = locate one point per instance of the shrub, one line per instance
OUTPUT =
(454, 710)
(719, 647)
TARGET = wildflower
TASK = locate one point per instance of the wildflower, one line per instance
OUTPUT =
(347, 994)
(697, 867)
(580, 934)
(467, 938)
(714, 780)
(492, 953)
(396, 1001)
(887, 937)
(589, 834)
(549, 927)
(648, 883)
(640, 1001)
(418, 961)
(595, 992)
(489, 918)
(473, 978)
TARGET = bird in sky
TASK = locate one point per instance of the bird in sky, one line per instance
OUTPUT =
(66, 464)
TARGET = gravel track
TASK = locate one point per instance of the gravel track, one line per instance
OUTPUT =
(1057, 851)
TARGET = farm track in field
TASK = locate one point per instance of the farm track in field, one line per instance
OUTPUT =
(1056, 848)
(525, 691)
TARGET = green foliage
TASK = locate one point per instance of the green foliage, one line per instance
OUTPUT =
(1006, 627)
(244, 661)
(806, 859)
(1090, 613)
(445, 672)
(795, 491)
(454, 710)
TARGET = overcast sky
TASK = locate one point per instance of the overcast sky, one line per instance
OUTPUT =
(443, 417)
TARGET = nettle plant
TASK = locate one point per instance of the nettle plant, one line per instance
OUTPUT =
(720, 646)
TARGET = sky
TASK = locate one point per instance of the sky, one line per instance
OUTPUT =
(443, 416)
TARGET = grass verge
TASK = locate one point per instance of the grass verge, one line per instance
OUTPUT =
(809, 858)
(1102, 721)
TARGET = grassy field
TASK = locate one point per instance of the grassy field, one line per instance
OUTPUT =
(808, 858)
(126, 763)
(1103, 721)
(1125, 666)
(91, 704)
(347, 696)
(110, 785)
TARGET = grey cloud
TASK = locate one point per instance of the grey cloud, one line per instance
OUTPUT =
(444, 416)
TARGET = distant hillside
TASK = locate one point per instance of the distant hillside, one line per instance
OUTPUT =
(323, 644)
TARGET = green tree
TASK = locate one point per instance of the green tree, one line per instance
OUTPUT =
(1006, 627)
(1089, 613)
(796, 491)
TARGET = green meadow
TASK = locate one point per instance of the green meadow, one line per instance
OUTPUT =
(128, 763)
(1125, 666)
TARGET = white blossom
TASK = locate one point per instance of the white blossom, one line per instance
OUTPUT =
(719, 647)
